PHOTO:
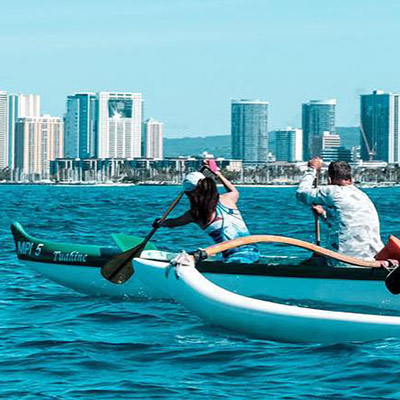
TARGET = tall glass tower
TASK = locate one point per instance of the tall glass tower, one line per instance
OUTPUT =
(80, 126)
(318, 116)
(249, 130)
(380, 126)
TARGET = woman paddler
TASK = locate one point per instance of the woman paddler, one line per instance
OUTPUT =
(216, 214)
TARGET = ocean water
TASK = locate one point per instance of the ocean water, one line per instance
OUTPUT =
(59, 344)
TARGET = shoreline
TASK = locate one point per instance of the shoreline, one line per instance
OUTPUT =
(239, 185)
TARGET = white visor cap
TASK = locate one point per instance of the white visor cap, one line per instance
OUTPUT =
(191, 180)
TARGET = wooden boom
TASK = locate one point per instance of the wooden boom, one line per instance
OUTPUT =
(230, 244)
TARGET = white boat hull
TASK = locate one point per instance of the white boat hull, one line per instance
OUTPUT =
(78, 267)
(258, 318)
(88, 280)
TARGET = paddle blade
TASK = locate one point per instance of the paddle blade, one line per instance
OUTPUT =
(392, 281)
(119, 268)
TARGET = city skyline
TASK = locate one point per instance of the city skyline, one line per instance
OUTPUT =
(278, 51)
(110, 125)
(146, 114)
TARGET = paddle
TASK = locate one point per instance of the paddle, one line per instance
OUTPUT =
(317, 225)
(392, 281)
(230, 244)
(119, 268)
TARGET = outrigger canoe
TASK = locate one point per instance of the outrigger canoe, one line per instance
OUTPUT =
(259, 318)
(78, 266)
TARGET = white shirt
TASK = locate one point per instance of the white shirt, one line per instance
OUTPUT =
(352, 219)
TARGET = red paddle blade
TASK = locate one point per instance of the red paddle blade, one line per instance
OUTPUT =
(391, 250)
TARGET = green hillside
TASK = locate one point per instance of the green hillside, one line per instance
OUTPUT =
(220, 145)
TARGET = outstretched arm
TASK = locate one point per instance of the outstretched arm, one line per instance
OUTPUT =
(184, 219)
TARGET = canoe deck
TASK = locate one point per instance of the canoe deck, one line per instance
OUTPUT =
(30, 248)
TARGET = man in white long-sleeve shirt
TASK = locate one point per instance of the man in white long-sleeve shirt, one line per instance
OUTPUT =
(352, 219)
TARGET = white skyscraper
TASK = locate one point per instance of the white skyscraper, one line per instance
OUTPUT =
(39, 140)
(153, 139)
(119, 125)
(19, 106)
(289, 144)
(3, 130)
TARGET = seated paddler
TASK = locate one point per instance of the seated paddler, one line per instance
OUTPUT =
(216, 214)
(352, 220)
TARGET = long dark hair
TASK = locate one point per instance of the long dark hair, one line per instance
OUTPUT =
(203, 201)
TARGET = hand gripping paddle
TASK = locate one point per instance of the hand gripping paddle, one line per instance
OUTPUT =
(119, 268)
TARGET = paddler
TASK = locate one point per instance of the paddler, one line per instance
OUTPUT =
(217, 214)
(351, 217)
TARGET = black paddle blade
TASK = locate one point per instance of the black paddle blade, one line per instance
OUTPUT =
(392, 281)
(119, 269)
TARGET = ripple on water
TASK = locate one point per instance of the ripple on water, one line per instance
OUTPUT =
(59, 344)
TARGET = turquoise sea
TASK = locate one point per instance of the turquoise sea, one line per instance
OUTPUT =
(59, 344)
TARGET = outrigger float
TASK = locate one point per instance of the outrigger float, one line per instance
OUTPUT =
(259, 318)
(78, 267)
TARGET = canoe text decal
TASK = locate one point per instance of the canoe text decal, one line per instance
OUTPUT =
(73, 256)
(29, 248)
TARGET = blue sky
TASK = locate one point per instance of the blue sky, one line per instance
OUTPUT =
(190, 58)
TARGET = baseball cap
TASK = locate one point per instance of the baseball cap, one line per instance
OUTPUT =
(191, 180)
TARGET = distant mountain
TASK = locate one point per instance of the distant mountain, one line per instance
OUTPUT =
(220, 145)
(350, 135)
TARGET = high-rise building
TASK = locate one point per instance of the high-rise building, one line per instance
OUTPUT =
(4, 147)
(318, 116)
(336, 154)
(331, 150)
(249, 130)
(380, 126)
(153, 139)
(119, 125)
(289, 144)
(330, 140)
(80, 126)
(19, 106)
(39, 140)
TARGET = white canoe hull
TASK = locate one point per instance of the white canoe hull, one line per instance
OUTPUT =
(78, 267)
(367, 293)
(88, 280)
(262, 319)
